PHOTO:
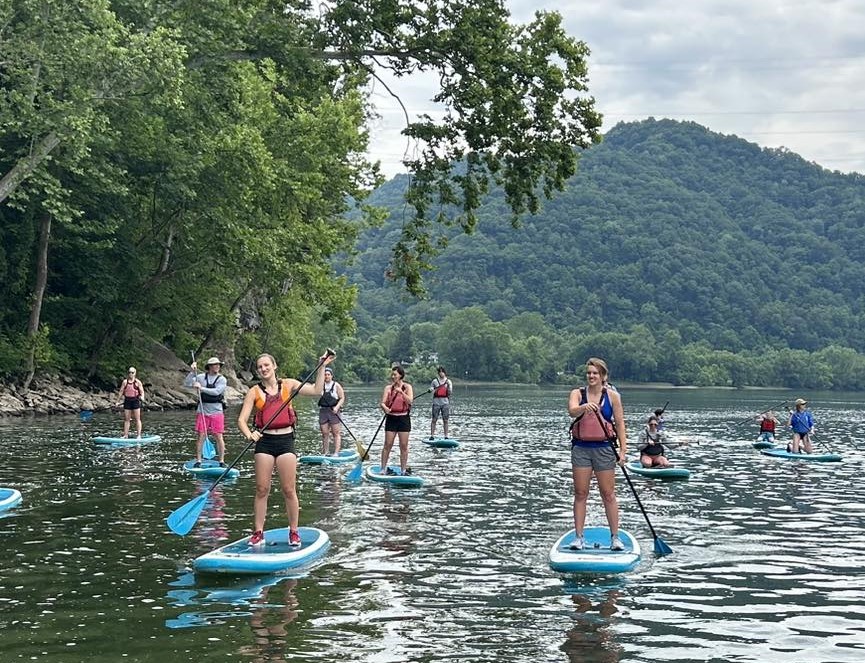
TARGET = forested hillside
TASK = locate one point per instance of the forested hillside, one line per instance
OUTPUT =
(679, 253)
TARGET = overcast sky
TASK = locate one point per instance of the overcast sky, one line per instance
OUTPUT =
(777, 73)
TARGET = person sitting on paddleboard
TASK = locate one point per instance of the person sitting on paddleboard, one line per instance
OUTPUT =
(396, 400)
(131, 397)
(210, 413)
(651, 445)
(802, 423)
(767, 427)
(274, 445)
(329, 405)
(441, 387)
(599, 421)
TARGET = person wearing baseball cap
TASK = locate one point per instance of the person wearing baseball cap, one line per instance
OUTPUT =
(210, 414)
(802, 423)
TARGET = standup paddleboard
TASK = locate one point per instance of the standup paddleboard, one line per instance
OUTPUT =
(442, 442)
(819, 458)
(125, 441)
(762, 444)
(374, 473)
(273, 556)
(9, 498)
(659, 472)
(210, 469)
(596, 557)
(345, 456)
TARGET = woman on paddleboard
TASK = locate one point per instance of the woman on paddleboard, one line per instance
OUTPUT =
(396, 400)
(651, 445)
(599, 424)
(441, 387)
(131, 396)
(329, 405)
(275, 421)
(802, 422)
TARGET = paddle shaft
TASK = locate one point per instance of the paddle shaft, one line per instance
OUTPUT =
(285, 403)
(751, 417)
(630, 483)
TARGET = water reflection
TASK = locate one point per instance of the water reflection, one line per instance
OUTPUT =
(592, 639)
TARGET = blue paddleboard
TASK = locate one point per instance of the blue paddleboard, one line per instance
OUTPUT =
(9, 498)
(210, 469)
(819, 458)
(273, 556)
(125, 441)
(442, 442)
(345, 456)
(374, 473)
(596, 557)
(659, 472)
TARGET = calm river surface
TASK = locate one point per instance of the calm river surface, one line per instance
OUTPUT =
(768, 558)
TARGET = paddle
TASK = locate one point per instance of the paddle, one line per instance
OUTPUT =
(208, 451)
(661, 548)
(354, 475)
(183, 519)
(357, 443)
(768, 409)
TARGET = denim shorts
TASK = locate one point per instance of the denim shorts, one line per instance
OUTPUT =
(595, 455)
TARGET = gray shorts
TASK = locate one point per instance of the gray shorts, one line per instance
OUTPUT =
(598, 458)
(327, 416)
(444, 410)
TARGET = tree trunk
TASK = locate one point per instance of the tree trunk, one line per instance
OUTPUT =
(38, 296)
(21, 170)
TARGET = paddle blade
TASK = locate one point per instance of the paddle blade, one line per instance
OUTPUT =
(356, 471)
(208, 450)
(361, 450)
(183, 519)
(662, 548)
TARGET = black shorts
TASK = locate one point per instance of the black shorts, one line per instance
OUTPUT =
(131, 403)
(275, 445)
(397, 423)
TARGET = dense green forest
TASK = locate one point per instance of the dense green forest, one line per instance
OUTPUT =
(679, 254)
(179, 171)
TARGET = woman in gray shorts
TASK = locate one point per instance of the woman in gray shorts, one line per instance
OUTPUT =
(598, 423)
(330, 403)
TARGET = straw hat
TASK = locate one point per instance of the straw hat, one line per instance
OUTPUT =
(211, 361)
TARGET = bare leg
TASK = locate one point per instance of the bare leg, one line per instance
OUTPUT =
(220, 447)
(286, 466)
(806, 443)
(389, 435)
(403, 451)
(607, 487)
(336, 432)
(199, 444)
(582, 477)
(432, 427)
(445, 425)
(325, 446)
(137, 414)
(127, 417)
(263, 471)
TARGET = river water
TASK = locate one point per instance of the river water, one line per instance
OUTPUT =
(768, 558)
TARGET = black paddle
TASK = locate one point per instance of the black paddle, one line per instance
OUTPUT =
(661, 548)
(357, 443)
(768, 409)
(183, 519)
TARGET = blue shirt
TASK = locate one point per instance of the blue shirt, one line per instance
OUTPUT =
(801, 422)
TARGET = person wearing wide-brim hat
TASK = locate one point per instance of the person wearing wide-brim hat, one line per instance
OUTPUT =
(802, 423)
(210, 414)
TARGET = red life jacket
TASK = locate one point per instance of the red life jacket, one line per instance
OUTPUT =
(587, 427)
(397, 402)
(266, 405)
(441, 391)
(767, 426)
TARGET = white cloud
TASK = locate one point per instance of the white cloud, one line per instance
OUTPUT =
(778, 73)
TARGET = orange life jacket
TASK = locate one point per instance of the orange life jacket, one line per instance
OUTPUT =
(266, 405)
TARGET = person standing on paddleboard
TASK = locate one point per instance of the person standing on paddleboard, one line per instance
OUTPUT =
(131, 397)
(330, 403)
(598, 422)
(210, 413)
(396, 400)
(441, 387)
(274, 447)
(802, 423)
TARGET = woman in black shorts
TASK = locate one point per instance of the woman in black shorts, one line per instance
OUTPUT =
(396, 400)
